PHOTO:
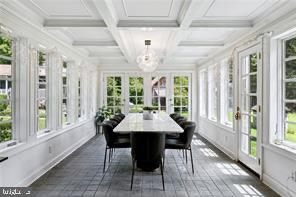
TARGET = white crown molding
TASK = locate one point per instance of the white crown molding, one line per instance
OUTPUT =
(200, 44)
(73, 23)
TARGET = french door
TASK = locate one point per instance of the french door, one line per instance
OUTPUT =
(130, 92)
(114, 93)
(249, 106)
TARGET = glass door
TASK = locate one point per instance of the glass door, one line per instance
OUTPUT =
(249, 110)
(181, 95)
(159, 92)
(135, 94)
(114, 93)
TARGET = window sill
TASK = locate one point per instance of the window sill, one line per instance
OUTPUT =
(281, 149)
(23, 146)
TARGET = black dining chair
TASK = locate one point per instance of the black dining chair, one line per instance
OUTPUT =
(148, 149)
(180, 119)
(116, 119)
(113, 140)
(174, 115)
(184, 140)
(121, 115)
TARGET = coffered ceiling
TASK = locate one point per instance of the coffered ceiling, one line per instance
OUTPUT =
(183, 32)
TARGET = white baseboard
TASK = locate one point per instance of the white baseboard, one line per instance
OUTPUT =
(225, 150)
(46, 167)
(277, 187)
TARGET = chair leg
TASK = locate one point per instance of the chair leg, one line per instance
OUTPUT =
(183, 152)
(161, 170)
(191, 159)
(186, 155)
(133, 174)
(110, 154)
(105, 158)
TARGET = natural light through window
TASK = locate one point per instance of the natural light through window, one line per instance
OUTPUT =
(247, 190)
(208, 152)
(231, 169)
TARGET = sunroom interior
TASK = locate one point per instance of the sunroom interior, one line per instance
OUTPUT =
(228, 67)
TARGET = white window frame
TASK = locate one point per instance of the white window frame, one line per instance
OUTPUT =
(156, 75)
(14, 135)
(225, 97)
(203, 93)
(282, 81)
(46, 98)
(213, 84)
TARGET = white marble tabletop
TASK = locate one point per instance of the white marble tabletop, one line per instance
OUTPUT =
(161, 122)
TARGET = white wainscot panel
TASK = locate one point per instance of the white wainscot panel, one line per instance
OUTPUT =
(222, 138)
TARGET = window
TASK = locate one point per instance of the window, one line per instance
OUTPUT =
(65, 95)
(136, 94)
(181, 95)
(212, 93)
(114, 94)
(79, 97)
(158, 85)
(6, 91)
(42, 93)
(226, 93)
(203, 93)
(289, 91)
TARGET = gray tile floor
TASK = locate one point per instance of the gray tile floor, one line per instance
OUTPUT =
(81, 174)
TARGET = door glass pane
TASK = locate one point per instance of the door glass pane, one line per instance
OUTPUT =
(253, 83)
(245, 124)
(290, 48)
(253, 62)
(136, 94)
(245, 143)
(253, 146)
(158, 85)
(253, 104)
(181, 95)
(290, 90)
(291, 68)
(114, 94)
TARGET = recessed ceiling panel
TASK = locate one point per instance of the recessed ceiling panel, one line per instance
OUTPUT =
(90, 33)
(148, 9)
(233, 8)
(63, 8)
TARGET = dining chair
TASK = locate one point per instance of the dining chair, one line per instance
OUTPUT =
(184, 140)
(113, 140)
(174, 115)
(149, 149)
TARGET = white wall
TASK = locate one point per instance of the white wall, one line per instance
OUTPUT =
(277, 162)
(28, 162)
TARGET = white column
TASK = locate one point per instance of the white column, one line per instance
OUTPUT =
(22, 79)
(73, 92)
(54, 90)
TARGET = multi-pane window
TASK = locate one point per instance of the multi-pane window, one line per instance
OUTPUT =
(6, 90)
(203, 93)
(136, 94)
(226, 93)
(181, 95)
(212, 93)
(289, 91)
(79, 97)
(158, 85)
(114, 94)
(65, 95)
(42, 92)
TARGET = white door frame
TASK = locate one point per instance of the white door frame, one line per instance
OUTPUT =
(254, 164)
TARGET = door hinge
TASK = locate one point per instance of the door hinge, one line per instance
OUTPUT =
(259, 108)
(259, 161)
(259, 56)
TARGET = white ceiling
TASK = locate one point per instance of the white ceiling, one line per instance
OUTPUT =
(112, 32)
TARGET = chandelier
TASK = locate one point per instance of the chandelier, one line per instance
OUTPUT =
(147, 60)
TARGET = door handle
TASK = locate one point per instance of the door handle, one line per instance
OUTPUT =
(237, 115)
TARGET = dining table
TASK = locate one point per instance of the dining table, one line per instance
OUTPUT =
(160, 123)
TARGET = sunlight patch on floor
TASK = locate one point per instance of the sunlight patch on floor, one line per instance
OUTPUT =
(208, 152)
(247, 190)
(231, 169)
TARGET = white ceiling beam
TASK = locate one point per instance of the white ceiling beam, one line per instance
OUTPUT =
(186, 16)
(221, 24)
(82, 43)
(200, 44)
(108, 13)
(150, 23)
(73, 23)
(106, 55)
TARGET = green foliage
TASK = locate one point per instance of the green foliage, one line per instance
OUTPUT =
(291, 47)
(5, 132)
(150, 108)
(102, 114)
(41, 58)
(3, 105)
